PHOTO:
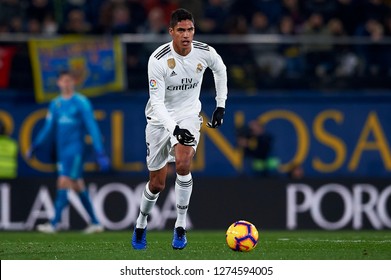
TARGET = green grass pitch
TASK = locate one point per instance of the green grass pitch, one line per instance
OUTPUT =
(202, 245)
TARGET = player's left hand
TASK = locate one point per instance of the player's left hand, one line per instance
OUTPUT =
(217, 118)
(103, 162)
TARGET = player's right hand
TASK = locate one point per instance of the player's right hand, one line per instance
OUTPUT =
(184, 136)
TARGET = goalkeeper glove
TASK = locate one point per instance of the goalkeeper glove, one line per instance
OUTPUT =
(103, 161)
(217, 118)
(184, 136)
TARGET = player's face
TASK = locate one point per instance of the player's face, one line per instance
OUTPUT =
(182, 35)
(66, 83)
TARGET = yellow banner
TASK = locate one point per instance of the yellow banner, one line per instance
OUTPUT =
(96, 61)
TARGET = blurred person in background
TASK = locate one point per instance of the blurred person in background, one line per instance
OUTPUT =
(70, 117)
(76, 23)
(33, 26)
(120, 16)
(294, 10)
(257, 146)
(166, 5)
(375, 56)
(8, 155)
(346, 63)
(175, 72)
(214, 15)
(294, 64)
(269, 62)
(121, 20)
(271, 8)
(260, 24)
(319, 55)
(155, 23)
(16, 24)
(49, 25)
(242, 71)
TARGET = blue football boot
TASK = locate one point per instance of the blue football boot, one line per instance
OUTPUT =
(139, 238)
(179, 240)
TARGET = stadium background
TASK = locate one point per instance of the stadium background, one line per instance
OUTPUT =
(324, 94)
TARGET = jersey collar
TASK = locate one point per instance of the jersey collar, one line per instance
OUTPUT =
(177, 55)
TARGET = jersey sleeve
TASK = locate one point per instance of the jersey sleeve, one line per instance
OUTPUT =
(157, 93)
(91, 125)
(48, 127)
(219, 71)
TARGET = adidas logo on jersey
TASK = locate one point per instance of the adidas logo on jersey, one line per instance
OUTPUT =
(173, 74)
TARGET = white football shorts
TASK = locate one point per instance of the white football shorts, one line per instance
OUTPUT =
(160, 142)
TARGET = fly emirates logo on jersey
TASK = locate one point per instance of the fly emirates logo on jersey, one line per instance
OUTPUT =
(186, 83)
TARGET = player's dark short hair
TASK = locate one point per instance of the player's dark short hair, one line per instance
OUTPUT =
(179, 15)
(64, 72)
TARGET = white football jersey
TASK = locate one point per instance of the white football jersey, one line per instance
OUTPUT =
(175, 83)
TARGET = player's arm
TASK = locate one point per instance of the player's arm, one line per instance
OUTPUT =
(157, 94)
(47, 130)
(219, 71)
(94, 131)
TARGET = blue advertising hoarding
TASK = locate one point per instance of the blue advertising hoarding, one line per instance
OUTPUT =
(328, 136)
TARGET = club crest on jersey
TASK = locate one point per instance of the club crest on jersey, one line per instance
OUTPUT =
(153, 84)
(199, 68)
(171, 63)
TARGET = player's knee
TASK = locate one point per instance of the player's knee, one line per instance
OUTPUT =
(64, 183)
(156, 186)
(183, 166)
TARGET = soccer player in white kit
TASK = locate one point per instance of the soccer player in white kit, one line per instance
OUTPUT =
(175, 72)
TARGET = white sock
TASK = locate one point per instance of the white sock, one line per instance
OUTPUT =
(148, 200)
(183, 188)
